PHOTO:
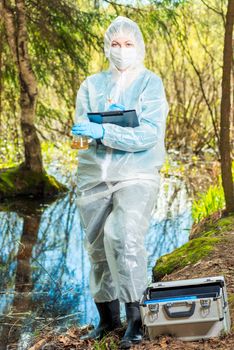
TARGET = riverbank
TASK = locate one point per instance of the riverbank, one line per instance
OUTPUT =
(215, 235)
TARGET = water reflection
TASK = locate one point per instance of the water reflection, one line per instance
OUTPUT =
(44, 268)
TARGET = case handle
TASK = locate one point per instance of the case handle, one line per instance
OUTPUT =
(178, 314)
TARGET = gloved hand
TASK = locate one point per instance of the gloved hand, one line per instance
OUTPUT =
(94, 130)
(116, 107)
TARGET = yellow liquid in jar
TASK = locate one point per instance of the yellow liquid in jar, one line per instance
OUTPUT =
(80, 143)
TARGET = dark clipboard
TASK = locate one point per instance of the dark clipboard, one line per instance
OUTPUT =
(122, 118)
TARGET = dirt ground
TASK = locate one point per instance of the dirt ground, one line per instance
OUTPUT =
(219, 262)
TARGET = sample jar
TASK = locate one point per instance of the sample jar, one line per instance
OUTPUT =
(80, 142)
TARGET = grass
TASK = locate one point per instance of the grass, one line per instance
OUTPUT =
(105, 343)
(208, 203)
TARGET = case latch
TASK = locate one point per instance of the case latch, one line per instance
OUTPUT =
(205, 303)
(153, 312)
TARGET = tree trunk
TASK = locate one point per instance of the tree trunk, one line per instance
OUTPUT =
(96, 4)
(28, 94)
(16, 29)
(1, 69)
(225, 144)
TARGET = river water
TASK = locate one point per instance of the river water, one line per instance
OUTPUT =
(44, 269)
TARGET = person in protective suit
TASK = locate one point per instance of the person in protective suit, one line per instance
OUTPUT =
(118, 179)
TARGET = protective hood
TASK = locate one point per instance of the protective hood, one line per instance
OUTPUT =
(123, 26)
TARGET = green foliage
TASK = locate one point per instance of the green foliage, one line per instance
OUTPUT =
(59, 155)
(66, 45)
(10, 154)
(62, 38)
(173, 167)
(208, 203)
(48, 149)
(106, 343)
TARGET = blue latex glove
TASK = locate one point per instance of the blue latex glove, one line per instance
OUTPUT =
(116, 107)
(94, 130)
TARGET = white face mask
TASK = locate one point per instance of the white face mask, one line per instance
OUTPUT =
(123, 57)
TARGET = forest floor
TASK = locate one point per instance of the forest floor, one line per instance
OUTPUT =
(219, 261)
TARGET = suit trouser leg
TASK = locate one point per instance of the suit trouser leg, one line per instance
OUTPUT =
(93, 216)
(124, 234)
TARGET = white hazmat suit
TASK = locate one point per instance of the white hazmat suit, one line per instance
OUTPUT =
(118, 180)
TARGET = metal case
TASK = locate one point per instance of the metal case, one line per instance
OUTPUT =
(187, 309)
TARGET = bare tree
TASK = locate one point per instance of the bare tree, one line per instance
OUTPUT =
(225, 144)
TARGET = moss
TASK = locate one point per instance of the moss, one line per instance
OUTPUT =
(209, 233)
(52, 181)
(19, 181)
(200, 245)
(213, 226)
(7, 180)
(189, 253)
(227, 221)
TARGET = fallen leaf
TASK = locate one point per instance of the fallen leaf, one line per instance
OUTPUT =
(38, 345)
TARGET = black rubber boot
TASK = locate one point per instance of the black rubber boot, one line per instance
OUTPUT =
(109, 313)
(134, 333)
